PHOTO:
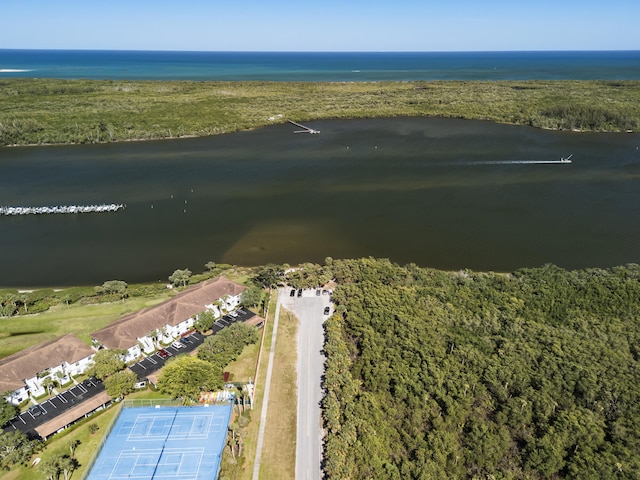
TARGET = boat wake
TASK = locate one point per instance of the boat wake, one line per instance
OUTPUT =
(521, 162)
(13, 70)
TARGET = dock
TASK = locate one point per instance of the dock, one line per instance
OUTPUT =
(305, 129)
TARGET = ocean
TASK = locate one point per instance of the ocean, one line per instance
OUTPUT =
(317, 66)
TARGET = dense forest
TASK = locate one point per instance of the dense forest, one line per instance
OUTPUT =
(529, 375)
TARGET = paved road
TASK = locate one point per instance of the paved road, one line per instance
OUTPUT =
(309, 308)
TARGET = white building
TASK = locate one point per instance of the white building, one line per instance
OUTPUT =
(146, 330)
(25, 373)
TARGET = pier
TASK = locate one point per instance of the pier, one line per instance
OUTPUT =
(61, 209)
(304, 128)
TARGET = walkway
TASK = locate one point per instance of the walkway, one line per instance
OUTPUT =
(267, 387)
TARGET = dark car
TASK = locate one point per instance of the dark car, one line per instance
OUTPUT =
(163, 353)
(36, 411)
(317, 293)
(327, 310)
(185, 340)
(293, 292)
(300, 292)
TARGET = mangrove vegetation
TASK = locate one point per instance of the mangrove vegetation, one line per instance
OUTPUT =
(51, 111)
(531, 375)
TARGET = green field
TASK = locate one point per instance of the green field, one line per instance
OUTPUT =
(48, 111)
(20, 332)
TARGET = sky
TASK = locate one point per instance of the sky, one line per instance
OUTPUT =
(321, 25)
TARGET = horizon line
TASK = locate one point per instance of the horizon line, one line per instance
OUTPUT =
(315, 51)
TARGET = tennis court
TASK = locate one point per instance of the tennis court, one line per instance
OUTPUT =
(182, 443)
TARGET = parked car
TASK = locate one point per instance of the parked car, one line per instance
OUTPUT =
(36, 411)
(185, 340)
(292, 293)
(327, 310)
(163, 353)
(318, 293)
(178, 345)
(300, 292)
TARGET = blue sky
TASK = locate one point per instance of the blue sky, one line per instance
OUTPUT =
(321, 25)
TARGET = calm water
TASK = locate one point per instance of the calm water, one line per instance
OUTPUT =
(444, 193)
(292, 66)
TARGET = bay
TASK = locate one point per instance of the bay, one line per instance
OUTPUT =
(445, 193)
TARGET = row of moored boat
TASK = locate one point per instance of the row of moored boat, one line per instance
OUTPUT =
(108, 207)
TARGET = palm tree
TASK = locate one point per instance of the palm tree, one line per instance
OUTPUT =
(73, 444)
(50, 468)
(68, 465)
(239, 442)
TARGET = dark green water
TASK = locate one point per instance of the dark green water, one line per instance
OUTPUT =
(444, 193)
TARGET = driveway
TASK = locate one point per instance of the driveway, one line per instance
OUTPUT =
(309, 308)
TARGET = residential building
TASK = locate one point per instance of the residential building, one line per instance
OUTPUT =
(25, 373)
(147, 329)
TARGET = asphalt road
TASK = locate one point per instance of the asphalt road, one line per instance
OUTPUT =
(309, 308)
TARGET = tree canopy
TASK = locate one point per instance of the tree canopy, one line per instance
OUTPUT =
(226, 345)
(7, 411)
(15, 448)
(107, 362)
(120, 383)
(186, 376)
(204, 321)
(180, 277)
(531, 375)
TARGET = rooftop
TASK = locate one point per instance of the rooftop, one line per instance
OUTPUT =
(124, 332)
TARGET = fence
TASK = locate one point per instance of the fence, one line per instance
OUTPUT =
(96, 452)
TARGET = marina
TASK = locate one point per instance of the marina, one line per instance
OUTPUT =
(60, 209)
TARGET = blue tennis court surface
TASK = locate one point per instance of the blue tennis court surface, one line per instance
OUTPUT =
(181, 443)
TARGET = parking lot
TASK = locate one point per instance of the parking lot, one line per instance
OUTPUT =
(188, 343)
(49, 409)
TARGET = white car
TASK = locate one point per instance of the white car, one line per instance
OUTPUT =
(177, 345)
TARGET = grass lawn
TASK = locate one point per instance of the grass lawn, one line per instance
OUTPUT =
(59, 445)
(279, 450)
(18, 333)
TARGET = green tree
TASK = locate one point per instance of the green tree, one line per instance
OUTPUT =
(7, 410)
(68, 465)
(186, 376)
(120, 383)
(210, 266)
(204, 321)
(15, 448)
(49, 383)
(107, 362)
(180, 277)
(251, 297)
(50, 467)
(268, 275)
(225, 346)
(113, 287)
(73, 445)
